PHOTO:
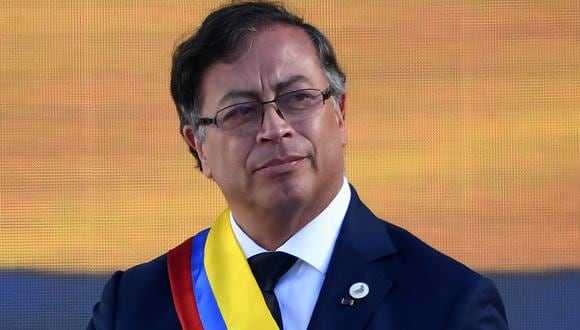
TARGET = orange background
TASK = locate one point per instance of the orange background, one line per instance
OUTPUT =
(463, 119)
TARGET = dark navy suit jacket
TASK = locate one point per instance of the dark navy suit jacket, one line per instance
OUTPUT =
(412, 286)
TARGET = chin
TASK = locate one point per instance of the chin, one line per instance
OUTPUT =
(286, 193)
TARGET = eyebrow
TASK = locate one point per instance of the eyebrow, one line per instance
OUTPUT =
(237, 93)
(288, 82)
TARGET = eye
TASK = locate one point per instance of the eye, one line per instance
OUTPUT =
(298, 96)
(242, 110)
(239, 114)
(299, 100)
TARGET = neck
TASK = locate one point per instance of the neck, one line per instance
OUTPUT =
(273, 226)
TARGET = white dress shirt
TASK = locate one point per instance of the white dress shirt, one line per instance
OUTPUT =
(298, 290)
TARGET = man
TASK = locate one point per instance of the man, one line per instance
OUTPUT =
(261, 100)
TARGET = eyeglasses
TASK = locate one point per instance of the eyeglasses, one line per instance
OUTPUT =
(246, 118)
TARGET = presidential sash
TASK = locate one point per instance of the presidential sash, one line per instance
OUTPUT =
(212, 284)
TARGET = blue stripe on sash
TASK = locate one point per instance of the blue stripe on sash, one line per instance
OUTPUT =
(209, 312)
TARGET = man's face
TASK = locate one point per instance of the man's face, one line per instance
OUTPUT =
(282, 165)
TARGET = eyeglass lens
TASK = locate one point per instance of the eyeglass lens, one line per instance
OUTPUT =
(246, 118)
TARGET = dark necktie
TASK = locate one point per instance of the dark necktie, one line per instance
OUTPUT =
(268, 267)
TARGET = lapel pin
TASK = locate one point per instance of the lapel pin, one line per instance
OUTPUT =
(347, 301)
(359, 290)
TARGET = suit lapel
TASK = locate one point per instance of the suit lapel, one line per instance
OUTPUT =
(358, 256)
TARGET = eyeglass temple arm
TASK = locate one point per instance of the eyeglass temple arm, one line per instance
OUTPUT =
(206, 121)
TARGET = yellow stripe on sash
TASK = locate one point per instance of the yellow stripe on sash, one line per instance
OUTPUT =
(235, 289)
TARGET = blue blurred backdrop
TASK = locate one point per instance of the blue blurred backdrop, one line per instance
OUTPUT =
(37, 300)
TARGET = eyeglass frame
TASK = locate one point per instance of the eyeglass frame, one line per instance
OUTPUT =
(205, 121)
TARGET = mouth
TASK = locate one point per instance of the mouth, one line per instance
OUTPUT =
(279, 165)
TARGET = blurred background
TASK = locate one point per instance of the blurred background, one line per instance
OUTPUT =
(463, 120)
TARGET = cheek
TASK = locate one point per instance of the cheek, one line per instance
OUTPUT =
(228, 157)
(317, 138)
(328, 136)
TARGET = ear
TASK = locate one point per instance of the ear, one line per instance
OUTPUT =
(340, 111)
(198, 145)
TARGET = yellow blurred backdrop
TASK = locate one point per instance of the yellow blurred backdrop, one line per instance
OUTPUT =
(463, 119)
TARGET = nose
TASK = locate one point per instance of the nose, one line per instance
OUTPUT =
(274, 127)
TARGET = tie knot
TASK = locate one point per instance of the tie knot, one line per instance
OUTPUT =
(268, 267)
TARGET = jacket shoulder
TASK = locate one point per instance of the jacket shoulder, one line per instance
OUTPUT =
(443, 289)
(138, 298)
(426, 258)
(150, 274)
(145, 293)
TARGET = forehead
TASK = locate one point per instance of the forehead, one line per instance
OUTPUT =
(273, 56)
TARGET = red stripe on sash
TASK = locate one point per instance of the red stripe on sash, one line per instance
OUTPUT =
(179, 266)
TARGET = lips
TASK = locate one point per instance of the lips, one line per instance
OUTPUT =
(279, 164)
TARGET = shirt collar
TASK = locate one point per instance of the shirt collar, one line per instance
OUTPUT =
(321, 232)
